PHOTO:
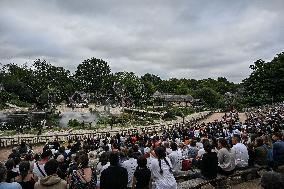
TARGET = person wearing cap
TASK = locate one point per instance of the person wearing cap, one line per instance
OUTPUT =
(62, 166)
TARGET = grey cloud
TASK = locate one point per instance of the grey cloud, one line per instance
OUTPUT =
(195, 39)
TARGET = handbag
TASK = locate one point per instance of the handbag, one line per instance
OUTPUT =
(186, 165)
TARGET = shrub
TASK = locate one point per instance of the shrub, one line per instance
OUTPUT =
(74, 123)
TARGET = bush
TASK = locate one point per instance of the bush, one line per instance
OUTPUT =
(6, 97)
(181, 111)
(74, 123)
(53, 120)
(169, 116)
(19, 103)
(104, 120)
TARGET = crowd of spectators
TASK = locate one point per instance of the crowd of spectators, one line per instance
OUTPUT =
(152, 160)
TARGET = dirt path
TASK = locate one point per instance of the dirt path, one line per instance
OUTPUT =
(218, 116)
(242, 117)
(212, 118)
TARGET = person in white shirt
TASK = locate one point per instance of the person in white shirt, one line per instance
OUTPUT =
(199, 144)
(197, 133)
(38, 167)
(175, 157)
(240, 153)
(130, 165)
(161, 169)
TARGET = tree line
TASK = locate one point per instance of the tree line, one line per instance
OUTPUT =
(26, 85)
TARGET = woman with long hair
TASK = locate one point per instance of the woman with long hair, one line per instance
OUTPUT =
(26, 178)
(161, 169)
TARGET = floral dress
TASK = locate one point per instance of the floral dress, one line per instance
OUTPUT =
(77, 182)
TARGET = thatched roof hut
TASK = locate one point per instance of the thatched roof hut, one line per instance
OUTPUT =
(172, 98)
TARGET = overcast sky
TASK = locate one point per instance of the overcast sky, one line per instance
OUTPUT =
(170, 38)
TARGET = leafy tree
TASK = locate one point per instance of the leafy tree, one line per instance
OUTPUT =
(6, 97)
(154, 79)
(92, 75)
(266, 82)
(168, 86)
(52, 79)
(17, 79)
(129, 85)
(182, 89)
(209, 96)
(150, 83)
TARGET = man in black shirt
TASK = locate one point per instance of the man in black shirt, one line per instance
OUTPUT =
(115, 176)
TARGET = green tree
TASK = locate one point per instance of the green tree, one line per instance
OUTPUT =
(18, 79)
(209, 96)
(51, 79)
(182, 89)
(150, 83)
(92, 75)
(266, 82)
(129, 85)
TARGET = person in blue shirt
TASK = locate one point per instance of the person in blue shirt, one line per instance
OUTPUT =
(3, 184)
(278, 150)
